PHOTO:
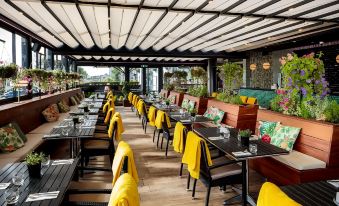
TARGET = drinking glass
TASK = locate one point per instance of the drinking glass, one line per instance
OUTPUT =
(225, 133)
(253, 148)
(12, 195)
(18, 179)
(65, 131)
(45, 162)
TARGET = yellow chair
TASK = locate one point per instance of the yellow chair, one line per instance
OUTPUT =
(271, 195)
(179, 141)
(243, 99)
(125, 192)
(214, 94)
(251, 100)
(161, 118)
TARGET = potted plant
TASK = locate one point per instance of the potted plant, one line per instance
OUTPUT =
(8, 71)
(245, 137)
(33, 161)
(125, 91)
(167, 102)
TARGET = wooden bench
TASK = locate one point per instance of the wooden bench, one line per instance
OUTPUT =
(27, 115)
(318, 142)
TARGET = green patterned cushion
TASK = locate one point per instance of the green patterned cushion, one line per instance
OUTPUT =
(214, 114)
(191, 105)
(267, 128)
(285, 136)
(172, 99)
(10, 139)
(63, 108)
(184, 104)
(73, 101)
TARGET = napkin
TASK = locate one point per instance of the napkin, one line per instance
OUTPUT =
(63, 162)
(4, 185)
(51, 135)
(185, 121)
(215, 138)
(241, 153)
(335, 183)
(60, 126)
(42, 196)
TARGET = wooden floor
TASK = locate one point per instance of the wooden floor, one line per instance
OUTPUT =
(160, 183)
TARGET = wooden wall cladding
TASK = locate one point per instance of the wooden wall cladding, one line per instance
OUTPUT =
(317, 138)
(200, 103)
(164, 93)
(178, 97)
(238, 116)
(28, 113)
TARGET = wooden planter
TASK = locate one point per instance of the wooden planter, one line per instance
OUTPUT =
(179, 97)
(164, 93)
(238, 116)
(200, 103)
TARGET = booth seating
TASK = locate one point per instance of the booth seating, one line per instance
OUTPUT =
(313, 157)
(35, 136)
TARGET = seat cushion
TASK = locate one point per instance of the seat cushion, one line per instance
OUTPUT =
(225, 171)
(300, 161)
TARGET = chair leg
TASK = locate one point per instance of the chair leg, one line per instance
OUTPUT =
(194, 186)
(167, 147)
(154, 133)
(188, 182)
(180, 172)
(145, 126)
(208, 195)
(162, 140)
(158, 138)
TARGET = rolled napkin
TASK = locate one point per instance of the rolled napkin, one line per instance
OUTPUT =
(215, 138)
(63, 162)
(185, 121)
(42, 196)
(51, 135)
(4, 185)
(241, 153)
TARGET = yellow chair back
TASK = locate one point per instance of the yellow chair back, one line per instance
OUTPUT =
(178, 138)
(243, 99)
(125, 192)
(162, 117)
(251, 100)
(271, 195)
(152, 115)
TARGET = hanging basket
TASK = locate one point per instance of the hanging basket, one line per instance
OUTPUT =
(8, 71)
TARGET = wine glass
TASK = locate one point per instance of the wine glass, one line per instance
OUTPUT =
(12, 195)
(18, 179)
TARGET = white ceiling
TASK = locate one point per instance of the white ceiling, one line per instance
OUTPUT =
(169, 24)
(124, 58)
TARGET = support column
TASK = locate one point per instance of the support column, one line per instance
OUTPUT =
(143, 80)
(212, 75)
(160, 78)
(127, 73)
(13, 49)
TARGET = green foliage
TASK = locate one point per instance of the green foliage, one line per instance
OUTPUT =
(8, 71)
(82, 72)
(231, 74)
(198, 91)
(126, 89)
(199, 75)
(332, 112)
(34, 158)
(228, 98)
(245, 133)
(275, 104)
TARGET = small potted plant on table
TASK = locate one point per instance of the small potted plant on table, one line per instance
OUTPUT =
(33, 161)
(245, 137)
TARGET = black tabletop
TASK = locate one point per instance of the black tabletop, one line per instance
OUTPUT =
(187, 118)
(94, 105)
(84, 132)
(171, 107)
(232, 144)
(81, 111)
(312, 194)
(55, 178)
(88, 100)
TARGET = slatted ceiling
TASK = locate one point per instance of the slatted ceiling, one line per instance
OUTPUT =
(158, 3)
(71, 18)
(120, 25)
(305, 7)
(334, 16)
(133, 58)
(145, 21)
(227, 39)
(50, 39)
(248, 6)
(124, 58)
(36, 10)
(278, 6)
(77, 56)
(96, 17)
(87, 57)
(106, 57)
(219, 5)
(322, 11)
(189, 4)
(97, 57)
(272, 34)
(127, 2)
(115, 57)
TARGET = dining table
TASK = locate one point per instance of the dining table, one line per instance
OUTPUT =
(81, 111)
(187, 119)
(166, 108)
(235, 150)
(55, 179)
(321, 193)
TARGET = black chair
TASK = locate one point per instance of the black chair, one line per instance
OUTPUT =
(168, 135)
(219, 175)
(144, 118)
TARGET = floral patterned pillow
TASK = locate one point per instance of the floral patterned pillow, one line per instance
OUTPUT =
(285, 136)
(79, 96)
(10, 139)
(184, 104)
(73, 101)
(266, 130)
(51, 113)
(214, 114)
(191, 105)
(172, 99)
(63, 108)
(77, 99)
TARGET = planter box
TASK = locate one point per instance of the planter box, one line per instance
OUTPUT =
(238, 116)
(164, 93)
(200, 103)
(317, 139)
(179, 97)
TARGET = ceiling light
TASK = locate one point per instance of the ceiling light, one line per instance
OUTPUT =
(266, 65)
(321, 42)
(337, 58)
(300, 30)
(253, 67)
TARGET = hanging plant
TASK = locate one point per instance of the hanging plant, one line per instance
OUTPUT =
(231, 74)
(8, 71)
(199, 75)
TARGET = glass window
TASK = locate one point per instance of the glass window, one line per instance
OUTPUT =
(151, 79)
(18, 50)
(135, 75)
(6, 55)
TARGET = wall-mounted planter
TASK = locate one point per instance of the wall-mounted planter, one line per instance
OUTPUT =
(200, 103)
(178, 97)
(238, 116)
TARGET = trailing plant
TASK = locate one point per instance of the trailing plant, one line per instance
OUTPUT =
(34, 158)
(198, 91)
(199, 75)
(332, 112)
(231, 74)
